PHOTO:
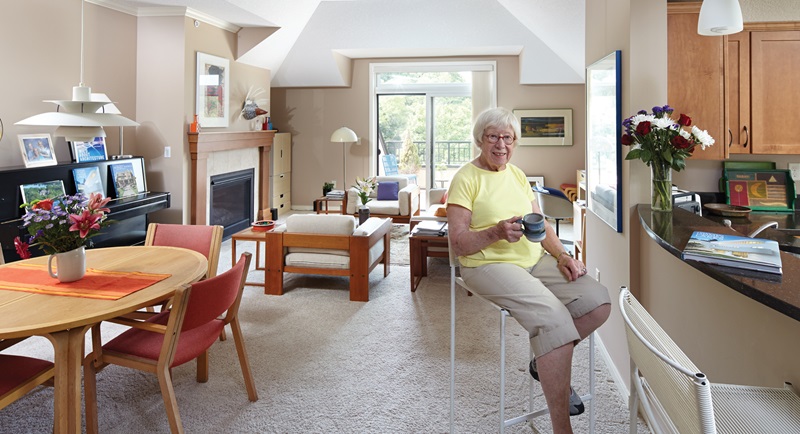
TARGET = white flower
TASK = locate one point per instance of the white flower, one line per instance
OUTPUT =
(664, 123)
(703, 137)
(641, 118)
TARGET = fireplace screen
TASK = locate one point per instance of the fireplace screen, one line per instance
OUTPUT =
(232, 199)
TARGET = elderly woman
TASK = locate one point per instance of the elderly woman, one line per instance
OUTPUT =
(544, 288)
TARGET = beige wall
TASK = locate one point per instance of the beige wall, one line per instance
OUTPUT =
(40, 46)
(146, 66)
(311, 115)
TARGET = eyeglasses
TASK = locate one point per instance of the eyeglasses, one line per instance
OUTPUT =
(493, 138)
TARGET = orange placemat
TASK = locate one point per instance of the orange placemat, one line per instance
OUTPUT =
(99, 284)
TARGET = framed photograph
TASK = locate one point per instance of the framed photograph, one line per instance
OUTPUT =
(603, 132)
(42, 190)
(212, 90)
(124, 179)
(545, 127)
(94, 150)
(138, 172)
(37, 150)
(88, 181)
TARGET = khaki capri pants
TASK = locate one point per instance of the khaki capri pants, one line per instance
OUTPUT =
(540, 298)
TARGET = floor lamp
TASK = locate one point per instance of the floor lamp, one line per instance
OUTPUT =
(344, 135)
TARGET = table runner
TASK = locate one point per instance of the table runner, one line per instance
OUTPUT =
(97, 284)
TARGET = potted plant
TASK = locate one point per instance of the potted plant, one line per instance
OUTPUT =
(327, 186)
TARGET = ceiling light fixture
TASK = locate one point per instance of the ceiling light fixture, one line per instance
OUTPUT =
(720, 17)
(83, 117)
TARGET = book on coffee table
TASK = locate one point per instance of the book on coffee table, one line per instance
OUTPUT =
(756, 254)
(431, 228)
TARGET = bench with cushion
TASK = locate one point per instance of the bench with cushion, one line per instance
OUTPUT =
(397, 201)
(331, 244)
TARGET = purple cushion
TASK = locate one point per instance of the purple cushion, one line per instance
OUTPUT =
(388, 190)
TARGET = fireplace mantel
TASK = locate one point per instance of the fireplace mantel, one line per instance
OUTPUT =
(201, 145)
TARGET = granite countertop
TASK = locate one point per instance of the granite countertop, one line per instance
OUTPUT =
(780, 292)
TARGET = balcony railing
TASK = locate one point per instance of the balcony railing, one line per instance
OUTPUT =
(452, 153)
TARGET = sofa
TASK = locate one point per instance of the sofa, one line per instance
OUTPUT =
(327, 244)
(400, 208)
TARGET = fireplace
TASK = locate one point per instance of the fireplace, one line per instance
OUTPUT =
(232, 201)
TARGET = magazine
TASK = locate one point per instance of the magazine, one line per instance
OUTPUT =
(431, 228)
(124, 180)
(734, 251)
(88, 181)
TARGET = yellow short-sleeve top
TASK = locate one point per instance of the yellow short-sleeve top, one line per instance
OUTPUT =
(494, 196)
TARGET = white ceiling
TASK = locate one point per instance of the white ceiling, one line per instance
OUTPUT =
(312, 37)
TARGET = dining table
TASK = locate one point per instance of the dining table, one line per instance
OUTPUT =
(119, 280)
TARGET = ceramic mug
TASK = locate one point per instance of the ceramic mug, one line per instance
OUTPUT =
(70, 266)
(533, 227)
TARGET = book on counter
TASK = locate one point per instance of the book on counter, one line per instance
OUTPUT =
(756, 254)
(431, 228)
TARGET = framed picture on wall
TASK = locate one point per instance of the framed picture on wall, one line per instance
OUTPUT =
(545, 127)
(213, 84)
(37, 150)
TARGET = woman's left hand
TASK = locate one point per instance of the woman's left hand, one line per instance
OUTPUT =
(571, 267)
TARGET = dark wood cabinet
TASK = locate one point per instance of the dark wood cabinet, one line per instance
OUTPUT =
(129, 214)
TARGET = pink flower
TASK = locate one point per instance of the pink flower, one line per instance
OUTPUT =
(96, 203)
(85, 222)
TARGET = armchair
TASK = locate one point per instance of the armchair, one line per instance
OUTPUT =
(399, 209)
(327, 244)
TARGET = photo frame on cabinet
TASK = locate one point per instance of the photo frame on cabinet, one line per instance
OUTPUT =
(545, 127)
(42, 190)
(93, 150)
(213, 84)
(603, 132)
(37, 150)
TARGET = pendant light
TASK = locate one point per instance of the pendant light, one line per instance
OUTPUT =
(83, 117)
(720, 17)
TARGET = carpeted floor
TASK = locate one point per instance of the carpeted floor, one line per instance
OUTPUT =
(325, 364)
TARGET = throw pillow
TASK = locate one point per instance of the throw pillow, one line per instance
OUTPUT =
(388, 190)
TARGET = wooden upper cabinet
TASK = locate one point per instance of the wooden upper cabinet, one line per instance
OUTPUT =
(695, 83)
(737, 106)
(775, 91)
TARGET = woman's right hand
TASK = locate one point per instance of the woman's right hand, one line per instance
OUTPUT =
(510, 229)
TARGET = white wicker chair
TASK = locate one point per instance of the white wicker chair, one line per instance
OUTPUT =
(588, 398)
(677, 397)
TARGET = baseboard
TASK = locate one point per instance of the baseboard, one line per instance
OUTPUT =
(619, 382)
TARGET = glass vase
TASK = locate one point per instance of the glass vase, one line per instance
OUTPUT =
(363, 214)
(661, 186)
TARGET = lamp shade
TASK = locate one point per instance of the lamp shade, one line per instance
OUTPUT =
(344, 135)
(720, 17)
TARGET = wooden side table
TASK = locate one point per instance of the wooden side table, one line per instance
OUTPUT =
(250, 235)
(322, 205)
(420, 250)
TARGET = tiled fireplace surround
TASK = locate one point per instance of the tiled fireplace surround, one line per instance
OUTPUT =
(216, 153)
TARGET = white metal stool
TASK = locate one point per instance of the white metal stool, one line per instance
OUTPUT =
(504, 313)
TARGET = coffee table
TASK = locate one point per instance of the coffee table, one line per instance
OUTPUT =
(322, 205)
(250, 235)
(422, 247)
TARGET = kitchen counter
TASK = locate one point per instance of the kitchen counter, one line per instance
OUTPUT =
(671, 231)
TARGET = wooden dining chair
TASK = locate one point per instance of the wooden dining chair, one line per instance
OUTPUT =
(171, 338)
(204, 239)
(20, 374)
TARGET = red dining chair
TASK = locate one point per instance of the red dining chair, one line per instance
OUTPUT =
(203, 239)
(183, 333)
(20, 374)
